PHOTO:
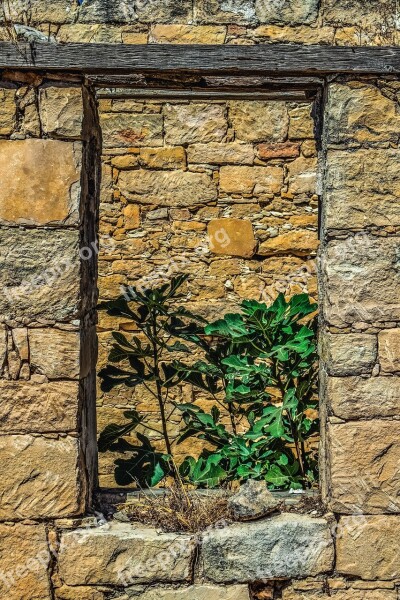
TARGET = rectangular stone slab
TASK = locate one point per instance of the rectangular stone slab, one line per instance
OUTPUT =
(358, 397)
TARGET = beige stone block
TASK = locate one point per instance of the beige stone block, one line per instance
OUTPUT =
(302, 34)
(131, 216)
(360, 14)
(24, 562)
(364, 475)
(122, 130)
(282, 150)
(349, 354)
(55, 353)
(234, 237)
(40, 182)
(256, 121)
(287, 12)
(362, 188)
(389, 350)
(65, 592)
(59, 11)
(7, 111)
(220, 154)
(301, 123)
(218, 11)
(358, 397)
(187, 34)
(299, 243)
(29, 407)
(128, 161)
(124, 554)
(39, 274)
(163, 158)
(249, 180)
(194, 122)
(61, 111)
(303, 176)
(345, 594)
(79, 33)
(167, 188)
(369, 546)
(360, 280)
(41, 477)
(198, 592)
(359, 112)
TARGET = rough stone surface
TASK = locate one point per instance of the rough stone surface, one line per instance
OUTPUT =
(31, 407)
(256, 551)
(251, 180)
(349, 354)
(125, 130)
(369, 546)
(301, 124)
(7, 111)
(287, 12)
(358, 398)
(193, 123)
(299, 243)
(188, 34)
(167, 188)
(24, 561)
(101, 11)
(252, 501)
(55, 353)
(256, 121)
(220, 11)
(220, 154)
(364, 475)
(40, 182)
(163, 158)
(198, 592)
(40, 477)
(282, 150)
(303, 176)
(61, 111)
(361, 280)
(358, 13)
(234, 237)
(124, 554)
(362, 188)
(389, 350)
(351, 593)
(168, 11)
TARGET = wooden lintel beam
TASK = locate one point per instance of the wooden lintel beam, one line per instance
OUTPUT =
(273, 59)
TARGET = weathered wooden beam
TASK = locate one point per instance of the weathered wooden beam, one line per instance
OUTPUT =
(275, 59)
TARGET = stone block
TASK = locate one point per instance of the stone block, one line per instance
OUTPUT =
(301, 123)
(299, 243)
(163, 158)
(55, 353)
(303, 175)
(349, 354)
(256, 121)
(188, 34)
(124, 554)
(360, 113)
(24, 562)
(30, 407)
(163, 188)
(7, 111)
(291, 593)
(124, 130)
(39, 274)
(369, 546)
(221, 154)
(41, 477)
(198, 592)
(362, 188)
(361, 280)
(61, 111)
(193, 123)
(66, 592)
(358, 13)
(168, 11)
(287, 12)
(234, 237)
(59, 11)
(219, 11)
(101, 11)
(360, 398)
(40, 182)
(251, 180)
(364, 475)
(255, 551)
(282, 150)
(389, 350)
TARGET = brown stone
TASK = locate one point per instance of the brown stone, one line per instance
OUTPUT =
(194, 122)
(358, 397)
(7, 111)
(128, 161)
(187, 34)
(198, 592)
(349, 354)
(219, 154)
(24, 562)
(167, 188)
(66, 592)
(303, 176)
(40, 477)
(282, 150)
(249, 180)
(256, 121)
(369, 546)
(301, 123)
(123, 130)
(163, 158)
(360, 14)
(289, 12)
(55, 353)
(30, 407)
(131, 216)
(61, 111)
(389, 350)
(364, 475)
(299, 243)
(40, 182)
(341, 594)
(302, 34)
(234, 237)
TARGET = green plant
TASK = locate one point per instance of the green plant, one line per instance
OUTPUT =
(260, 367)
(144, 360)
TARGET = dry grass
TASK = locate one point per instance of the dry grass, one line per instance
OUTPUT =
(177, 509)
